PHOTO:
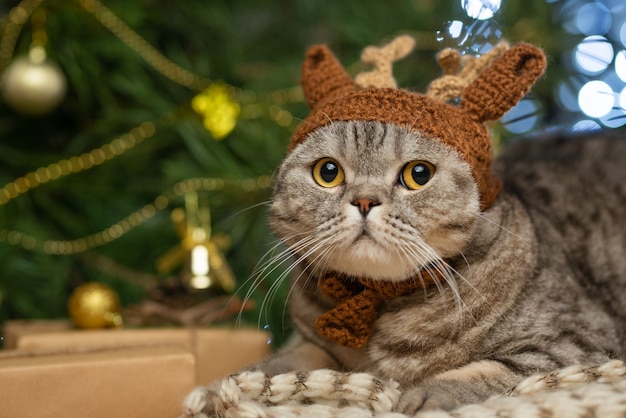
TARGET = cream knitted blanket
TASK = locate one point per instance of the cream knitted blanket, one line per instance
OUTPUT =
(571, 392)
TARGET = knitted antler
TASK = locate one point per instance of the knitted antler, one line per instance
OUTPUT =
(460, 71)
(382, 59)
(504, 83)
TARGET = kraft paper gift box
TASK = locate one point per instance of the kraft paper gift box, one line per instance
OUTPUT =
(148, 382)
(218, 351)
(16, 328)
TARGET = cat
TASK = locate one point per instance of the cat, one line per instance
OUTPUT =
(539, 279)
(528, 280)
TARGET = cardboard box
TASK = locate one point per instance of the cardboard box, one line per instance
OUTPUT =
(218, 351)
(141, 382)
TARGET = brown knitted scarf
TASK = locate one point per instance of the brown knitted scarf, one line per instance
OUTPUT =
(351, 321)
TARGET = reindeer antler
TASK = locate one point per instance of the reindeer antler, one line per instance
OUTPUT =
(460, 71)
(382, 59)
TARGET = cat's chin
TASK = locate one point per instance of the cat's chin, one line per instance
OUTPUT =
(367, 259)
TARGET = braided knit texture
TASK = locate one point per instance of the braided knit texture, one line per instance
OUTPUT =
(572, 392)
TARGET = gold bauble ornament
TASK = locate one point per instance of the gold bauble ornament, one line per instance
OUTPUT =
(95, 305)
(33, 85)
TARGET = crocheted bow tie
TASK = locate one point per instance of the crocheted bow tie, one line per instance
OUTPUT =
(351, 321)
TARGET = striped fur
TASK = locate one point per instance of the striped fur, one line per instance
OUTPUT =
(536, 282)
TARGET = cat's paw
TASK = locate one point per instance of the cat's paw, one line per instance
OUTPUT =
(443, 395)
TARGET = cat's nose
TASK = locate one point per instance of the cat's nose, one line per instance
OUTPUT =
(365, 204)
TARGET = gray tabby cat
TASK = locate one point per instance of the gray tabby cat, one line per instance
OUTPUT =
(538, 280)
(534, 281)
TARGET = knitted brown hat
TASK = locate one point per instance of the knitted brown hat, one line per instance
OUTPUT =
(333, 96)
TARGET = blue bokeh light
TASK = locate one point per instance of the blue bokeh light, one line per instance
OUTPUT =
(481, 9)
(593, 55)
(594, 19)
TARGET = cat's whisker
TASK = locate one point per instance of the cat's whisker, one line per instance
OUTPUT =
(301, 261)
(271, 292)
(415, 259)
(277, 260)
(325, 250)
(420, 259)
(261, 273)
(481, 216)
(464, 258)
(281, 256)
(437, 264)
(477, 293)
(290, 249)
(404, 257)
(327, 117)
(256, 205)
(462, 306)
(315, 263)
(313, 244)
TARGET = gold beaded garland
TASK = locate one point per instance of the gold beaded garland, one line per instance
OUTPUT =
(16, 19)
(138, 44)
(118, 229)
(77, 164)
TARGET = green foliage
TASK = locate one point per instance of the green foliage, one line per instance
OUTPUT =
(256, 46)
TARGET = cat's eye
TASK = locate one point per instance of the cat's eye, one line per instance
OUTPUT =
(328, 173)
(416, 174)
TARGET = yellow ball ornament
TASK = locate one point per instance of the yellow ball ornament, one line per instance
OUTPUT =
(95, 305)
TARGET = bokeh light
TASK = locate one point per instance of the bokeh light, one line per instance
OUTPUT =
(522, 118)
(614, 119)
(567, 94)
(593, 55)
(481, 9)
(596, 99)
(586, 125)
(453, 34)
(593, 88)
(476, 37)
(593, 19)
(620, 65)
(595, 85)
(485, 34)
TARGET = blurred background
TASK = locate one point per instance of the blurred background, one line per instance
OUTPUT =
(138, 138)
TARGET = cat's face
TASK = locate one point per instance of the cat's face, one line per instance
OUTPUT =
(373, 200)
